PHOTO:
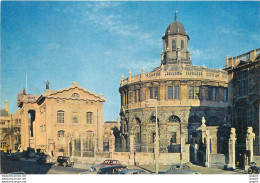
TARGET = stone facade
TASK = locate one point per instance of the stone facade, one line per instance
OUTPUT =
(108, 127)
(182, 93)
(68, 121)
(244, 99)
(10, 130)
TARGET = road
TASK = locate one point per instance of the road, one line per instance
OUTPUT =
(8, 166)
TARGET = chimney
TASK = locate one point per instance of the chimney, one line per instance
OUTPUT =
(6, 106)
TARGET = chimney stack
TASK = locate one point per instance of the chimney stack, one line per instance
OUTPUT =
(6, 106)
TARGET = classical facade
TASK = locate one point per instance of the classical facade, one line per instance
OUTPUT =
(10, 130)
(244, 97)
(68, 121)
(182, 93)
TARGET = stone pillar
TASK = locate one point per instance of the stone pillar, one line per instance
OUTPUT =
(232, 149)
(111, 142)
(73, 147)
(250, 137)
(207, 149)
(132, 150)
(195, 153)
(68, 147)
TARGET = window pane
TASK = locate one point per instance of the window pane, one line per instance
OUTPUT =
(156, 92)
(60, 116)
(191, 92)
(89, 117)
(135, 96)
(139, 96)
(197, 92)
(151, 92)
(214, 94)
(174, 45)
(174, 139)
(176, 92)
(170, 92)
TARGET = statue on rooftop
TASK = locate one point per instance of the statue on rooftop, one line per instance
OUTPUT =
(47, 84)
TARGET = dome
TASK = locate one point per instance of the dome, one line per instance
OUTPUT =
(175, 28)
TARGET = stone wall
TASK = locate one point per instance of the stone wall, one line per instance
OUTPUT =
(218, 160)
(256, 159)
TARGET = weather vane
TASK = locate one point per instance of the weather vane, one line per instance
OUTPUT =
(176, 11)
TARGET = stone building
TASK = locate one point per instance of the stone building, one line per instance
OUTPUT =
(184, 94)
(108, 127)
(10, 129)
(68, 121)
(244, 98)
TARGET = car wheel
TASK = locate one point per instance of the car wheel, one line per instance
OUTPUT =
(250, 170)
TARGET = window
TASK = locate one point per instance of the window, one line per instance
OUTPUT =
(156, 92)
(139, 96)
(191, 92)
(174, 137)
(182, 44)
(61, 134)
(225, 95)
(153, 92)
(170, 92)
(214, 94)
(173, 44)
(60, 117)
(176, 92)
(89, 117)
(197, 92)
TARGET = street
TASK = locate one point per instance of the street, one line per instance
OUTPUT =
(8, 166)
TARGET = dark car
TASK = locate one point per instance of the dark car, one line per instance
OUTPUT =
(41, 160)
(253, 169)
(111, 162)
(132, 171)
(181, 169)
(65, 161)
(111, 170)
(14, 156)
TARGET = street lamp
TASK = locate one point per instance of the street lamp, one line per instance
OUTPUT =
(156, 152)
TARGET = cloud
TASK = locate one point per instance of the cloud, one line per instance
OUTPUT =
(201, 54)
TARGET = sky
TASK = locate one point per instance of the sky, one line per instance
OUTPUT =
(94, 43)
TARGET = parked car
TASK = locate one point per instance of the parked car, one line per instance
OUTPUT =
(64, 161)
(95, 169)
(253, 169)
(180, 169)
(111, 170)
(111, 163)
(14, 156)
(5, 155)
(132, 171)
(41, 159)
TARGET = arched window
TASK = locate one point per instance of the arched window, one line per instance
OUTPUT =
(89, 117)
(173, 44)
(153, 119)
(60, 116)
(182, 44)
(174, 119)
(61, 134)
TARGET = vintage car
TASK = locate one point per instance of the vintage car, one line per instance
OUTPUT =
(111, 163)
(64, 161)
(14, 156)
(253, 169)
(111, 170)
(180, 169)
(132, 171)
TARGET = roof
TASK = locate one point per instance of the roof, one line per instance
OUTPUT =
(175, 28)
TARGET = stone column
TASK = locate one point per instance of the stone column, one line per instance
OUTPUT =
(232, 149)
(195, 153)
(250, 137)
(68, 147)
(111, 144)
(207, 149)
(73, 147)
(132, 150)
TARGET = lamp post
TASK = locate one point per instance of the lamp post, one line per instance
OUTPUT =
(156, 151)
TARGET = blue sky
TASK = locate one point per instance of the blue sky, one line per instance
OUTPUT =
(94, 43)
